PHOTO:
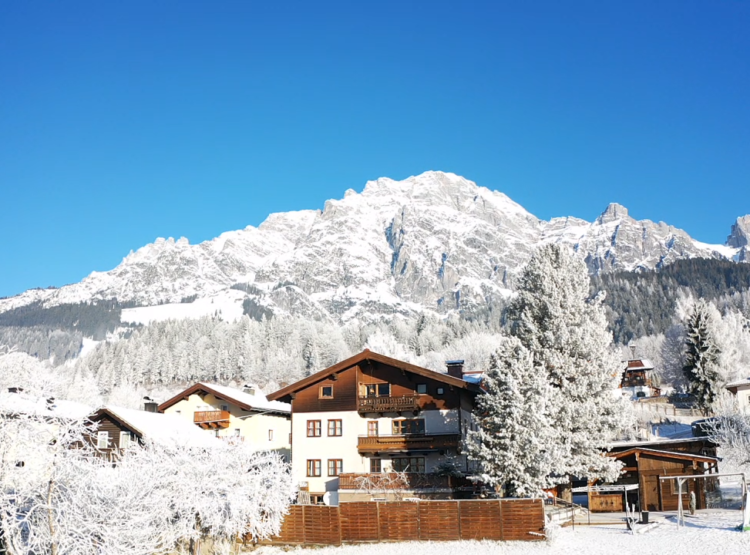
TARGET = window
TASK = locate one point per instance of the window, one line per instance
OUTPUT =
(372, 428)
(421, 388)
(334, 427)
(225, 408)
(313, 428)
(124, 440)
(378, 389)
(408, 464)
(270, 435)
(216, 432)
(440, 390)
(376, 466)
(102, 440)
(414, 426)
(236, 432)
(313, 467)
(335, 467)
(326, 392)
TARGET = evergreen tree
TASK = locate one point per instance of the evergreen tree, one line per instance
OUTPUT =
(702, 356)
(513, 443)
(566, 334)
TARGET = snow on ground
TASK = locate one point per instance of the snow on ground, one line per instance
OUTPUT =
(227, 303)
(709, 532)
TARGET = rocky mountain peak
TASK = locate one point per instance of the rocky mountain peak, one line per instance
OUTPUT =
(613, 212)
(740, 235)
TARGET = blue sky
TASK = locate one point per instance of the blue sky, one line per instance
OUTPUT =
(121, 122)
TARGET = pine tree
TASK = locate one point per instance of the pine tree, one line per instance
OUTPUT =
(702, 356)
(513, 443)
(566, 333)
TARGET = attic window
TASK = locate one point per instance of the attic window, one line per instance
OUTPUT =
(326, 392)
(421, 388)
(440, 390)
(102, 440)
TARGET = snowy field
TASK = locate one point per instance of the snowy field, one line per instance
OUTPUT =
(710, 532)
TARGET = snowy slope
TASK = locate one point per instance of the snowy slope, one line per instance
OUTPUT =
(434, 241)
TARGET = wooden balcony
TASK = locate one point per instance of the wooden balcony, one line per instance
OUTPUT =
(408, 442)
(211, 419)
(390, 481)
(408, 403)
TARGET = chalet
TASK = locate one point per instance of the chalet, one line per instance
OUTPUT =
(360, 421)
(741, 390)
(119, 428)
(644, 463)
(637, 379)
(245, 415)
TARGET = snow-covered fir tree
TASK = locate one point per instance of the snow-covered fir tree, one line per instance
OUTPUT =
(513, 444)
(566, 333)
(702, 356)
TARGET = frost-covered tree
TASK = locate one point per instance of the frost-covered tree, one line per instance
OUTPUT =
(514, 444)
(566, 333)
(702, 356)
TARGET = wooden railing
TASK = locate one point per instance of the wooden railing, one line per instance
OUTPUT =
(413, 480)
(211, 418)
(389, 404)
(407, 442)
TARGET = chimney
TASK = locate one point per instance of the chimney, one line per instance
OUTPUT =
(150, 405)
(249, 389)
(455, 368)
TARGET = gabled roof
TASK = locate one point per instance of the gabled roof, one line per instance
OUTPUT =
(257, 402)
(666, 454)
(165, 429)
(735, 385)
(369, 355)
(639, 364)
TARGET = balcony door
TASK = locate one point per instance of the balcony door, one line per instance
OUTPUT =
(377, 390)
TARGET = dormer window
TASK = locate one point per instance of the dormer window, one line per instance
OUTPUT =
(326, 392)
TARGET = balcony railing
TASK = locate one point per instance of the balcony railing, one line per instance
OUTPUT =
(212, 418)
(408, 442)
(389, 404)
(400, 481)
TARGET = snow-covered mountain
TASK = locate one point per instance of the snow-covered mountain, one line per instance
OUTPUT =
(435, 241)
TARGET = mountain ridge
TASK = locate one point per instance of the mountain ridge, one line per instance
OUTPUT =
(434, 241)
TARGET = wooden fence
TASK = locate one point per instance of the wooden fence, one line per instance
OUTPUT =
(506, 519)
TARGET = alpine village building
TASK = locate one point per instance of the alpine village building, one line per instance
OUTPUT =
(363, 424)
(241, 415)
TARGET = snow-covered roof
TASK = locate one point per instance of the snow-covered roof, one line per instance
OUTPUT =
(653, 443)
(165, 429)
(23, 403)
(256, 401)
(639, 364)
(739, 383)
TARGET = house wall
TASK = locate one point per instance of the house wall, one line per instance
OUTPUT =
(253, 426)
(344, 447)
(743, 398)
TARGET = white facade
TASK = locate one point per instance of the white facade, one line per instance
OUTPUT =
(327, 448)
(265, 431)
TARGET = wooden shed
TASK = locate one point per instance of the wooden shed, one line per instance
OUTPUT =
(644, 466)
